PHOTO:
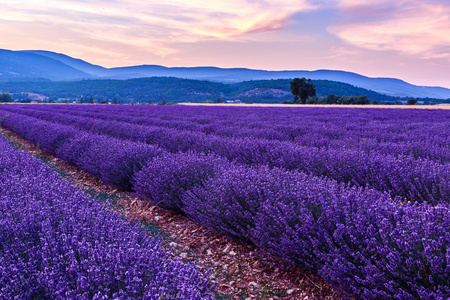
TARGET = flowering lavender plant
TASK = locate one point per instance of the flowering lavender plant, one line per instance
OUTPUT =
(56, 243)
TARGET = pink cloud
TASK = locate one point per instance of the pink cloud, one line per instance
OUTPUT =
(410, 27)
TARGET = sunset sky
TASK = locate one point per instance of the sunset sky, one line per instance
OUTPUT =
(406, 39)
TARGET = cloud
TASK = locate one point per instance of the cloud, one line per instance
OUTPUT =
(195, 18)
(409, 26)
(154, 26)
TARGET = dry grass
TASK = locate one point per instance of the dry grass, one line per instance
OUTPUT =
(439, 106)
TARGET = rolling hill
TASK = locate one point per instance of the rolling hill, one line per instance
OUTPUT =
(38, 65)
(155, 89)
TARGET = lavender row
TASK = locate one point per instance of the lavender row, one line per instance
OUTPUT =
(112, 160)
(361, 241)
(56, 243)
(413, 179)
(396, 137)
(332, 130)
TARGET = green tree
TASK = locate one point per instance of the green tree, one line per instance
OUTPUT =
(91, 100)
(302, 89)
(219, 100)
(411, 102)
(164, 102)
(332, 99)
(81, 100)
(115, 101)
(374, 102)
(6, 98)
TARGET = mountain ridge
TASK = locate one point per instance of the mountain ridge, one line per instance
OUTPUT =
(46, 65)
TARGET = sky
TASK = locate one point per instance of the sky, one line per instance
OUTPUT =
(405, 39)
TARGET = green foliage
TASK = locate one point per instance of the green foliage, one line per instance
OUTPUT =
(333, 99)
(182, 90)
(302, 89)
(91, 100)
(411, 102)
(312, 100)
(374, 102)
(6, 98)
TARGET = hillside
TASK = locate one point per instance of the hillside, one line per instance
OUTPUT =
(38, 65)
(155, 89)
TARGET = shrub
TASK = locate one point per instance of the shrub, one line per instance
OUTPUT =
(164, 179)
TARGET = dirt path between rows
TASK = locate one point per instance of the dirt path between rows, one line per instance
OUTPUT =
(240, 271)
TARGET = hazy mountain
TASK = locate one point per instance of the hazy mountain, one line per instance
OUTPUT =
(45, 65)
(93, 70)
(16, 65)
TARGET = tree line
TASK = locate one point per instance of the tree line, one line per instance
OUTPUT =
(304, 92)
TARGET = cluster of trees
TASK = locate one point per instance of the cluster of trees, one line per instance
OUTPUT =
(6, 98)
(304, 92)
(333, 99)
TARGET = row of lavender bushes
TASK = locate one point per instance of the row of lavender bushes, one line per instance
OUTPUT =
(360, 240)
(57, 243)
(373, 131)
(275, 123)
(415, 179)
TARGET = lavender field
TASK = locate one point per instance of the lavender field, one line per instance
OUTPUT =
(57, 243)
(360, 196)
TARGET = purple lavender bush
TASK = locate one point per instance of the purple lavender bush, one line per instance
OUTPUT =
(230, 202)
(56, 243)
(164, 179)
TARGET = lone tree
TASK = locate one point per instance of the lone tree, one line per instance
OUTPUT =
(91, 100)
(411, 102)
(115, 101)
(302, 89)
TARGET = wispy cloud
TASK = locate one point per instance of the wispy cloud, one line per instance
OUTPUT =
(154, 26)
(411, 27)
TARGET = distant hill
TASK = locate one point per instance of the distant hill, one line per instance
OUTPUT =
(20, 66)
(44, 65)
(173, 89)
